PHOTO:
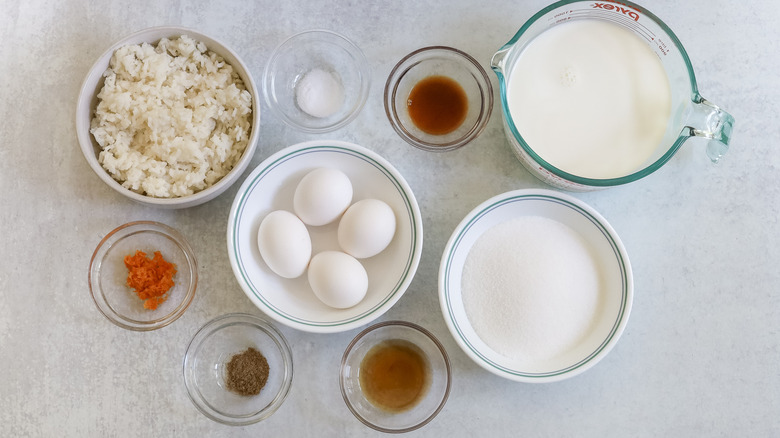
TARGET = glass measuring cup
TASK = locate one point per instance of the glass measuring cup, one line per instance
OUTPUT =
(691, 115)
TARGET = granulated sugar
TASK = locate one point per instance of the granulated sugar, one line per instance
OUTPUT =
(530, 288)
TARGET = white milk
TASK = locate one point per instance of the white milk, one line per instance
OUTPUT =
(591, 98)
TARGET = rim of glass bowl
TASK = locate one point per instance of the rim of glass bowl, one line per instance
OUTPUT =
(417, 328)
(362, 64)
(209, 329)
(400, 70)
(95, 264)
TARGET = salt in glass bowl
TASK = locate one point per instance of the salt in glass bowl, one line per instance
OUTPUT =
(205, 363)
(316, 49)
(108, 275)
(438, 61)
(616, 285)
(87, 102)
(438, 371)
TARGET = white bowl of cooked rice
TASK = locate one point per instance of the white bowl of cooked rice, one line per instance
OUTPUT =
(168, 117)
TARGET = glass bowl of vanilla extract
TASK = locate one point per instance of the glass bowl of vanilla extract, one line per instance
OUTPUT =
(438, 98)
(395, 376)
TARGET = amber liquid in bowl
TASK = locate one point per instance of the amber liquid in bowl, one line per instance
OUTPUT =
(394, 375)
(437, 105)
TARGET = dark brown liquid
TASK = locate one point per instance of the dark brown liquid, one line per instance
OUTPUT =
(394, 375)
(437, 105)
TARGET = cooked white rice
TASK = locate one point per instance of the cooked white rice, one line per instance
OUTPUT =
(172, 119)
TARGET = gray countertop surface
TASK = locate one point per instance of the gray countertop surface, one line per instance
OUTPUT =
(700, 355)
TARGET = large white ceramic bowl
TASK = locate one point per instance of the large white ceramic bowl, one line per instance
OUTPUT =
(607, 251)
(87, 102)
(271, 187)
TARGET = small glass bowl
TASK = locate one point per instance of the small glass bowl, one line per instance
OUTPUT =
(435, 61)
(205, 364)
(300, 54)
(108, 275)
(438, 371)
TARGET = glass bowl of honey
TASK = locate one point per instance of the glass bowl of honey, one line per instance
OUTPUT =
(438, 98)
(395, 377)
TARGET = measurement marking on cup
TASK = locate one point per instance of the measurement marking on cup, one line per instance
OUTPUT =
(638, 28)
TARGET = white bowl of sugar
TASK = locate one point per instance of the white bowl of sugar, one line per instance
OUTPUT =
(535, 286)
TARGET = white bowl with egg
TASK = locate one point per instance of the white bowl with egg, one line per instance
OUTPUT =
(292, 301)
(553, 304)
(88, 101)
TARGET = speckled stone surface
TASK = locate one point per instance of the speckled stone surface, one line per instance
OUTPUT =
(700, 355)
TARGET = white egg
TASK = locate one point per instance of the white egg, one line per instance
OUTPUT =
(367, 228)
(322, 196)
(284, 243)
(337, 279)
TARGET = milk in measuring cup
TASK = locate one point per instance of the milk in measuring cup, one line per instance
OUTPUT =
(591, 98)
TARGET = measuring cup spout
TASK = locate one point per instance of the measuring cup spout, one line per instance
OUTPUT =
(497, 61)
(710, 121)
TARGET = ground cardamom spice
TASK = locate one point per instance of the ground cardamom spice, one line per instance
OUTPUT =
(247, 372)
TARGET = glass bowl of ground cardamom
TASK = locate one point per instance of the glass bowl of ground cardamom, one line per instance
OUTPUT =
(238, 369)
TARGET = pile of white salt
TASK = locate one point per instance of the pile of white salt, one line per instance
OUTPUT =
(530, 288)
(319, 93)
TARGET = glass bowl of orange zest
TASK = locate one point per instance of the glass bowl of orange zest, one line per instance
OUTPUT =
(143, 275)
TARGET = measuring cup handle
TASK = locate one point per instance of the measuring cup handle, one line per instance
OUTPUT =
(710, 121)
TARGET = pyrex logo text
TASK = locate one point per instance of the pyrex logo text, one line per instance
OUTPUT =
(625, 11)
